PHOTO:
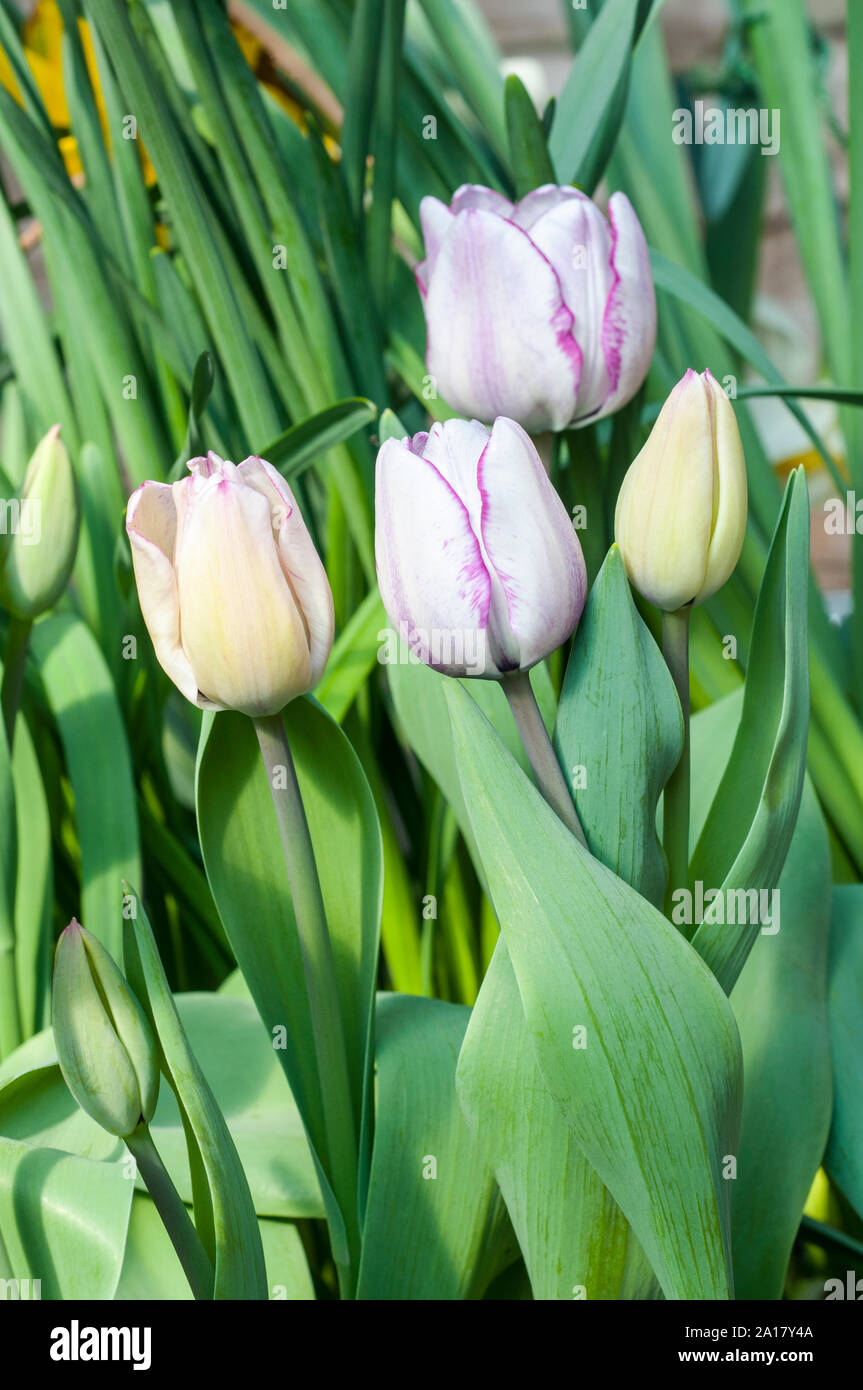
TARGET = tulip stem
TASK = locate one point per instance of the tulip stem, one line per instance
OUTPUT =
(175, 1216)
(14, 662)
(340, 1141)
(539, 750)
(675, 799)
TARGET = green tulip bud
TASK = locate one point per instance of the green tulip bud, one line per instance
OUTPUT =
(105, 1046)
(41, 533)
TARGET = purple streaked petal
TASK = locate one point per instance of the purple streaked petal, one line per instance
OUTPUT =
(530, 543)
(455, 448)
(499, 332)
(430, 568)
(576, 238)
(629, 322)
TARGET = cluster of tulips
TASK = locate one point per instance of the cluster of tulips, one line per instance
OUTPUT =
(541, 315)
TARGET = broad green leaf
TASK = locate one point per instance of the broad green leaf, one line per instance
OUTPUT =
(353, 658)
(63, 1220)
(844, 1157)
(230, 1228)
(432, 1202)
(245, 866)
(240, 1066)
(575, 1240)
(780, 1003)
(653, 1098)
(745, 838)
(619, 730)
(152, 1271)
(83, 701)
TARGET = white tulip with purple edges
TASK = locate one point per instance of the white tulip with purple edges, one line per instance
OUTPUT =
(234, 595)
(478, 562)
(541, 310)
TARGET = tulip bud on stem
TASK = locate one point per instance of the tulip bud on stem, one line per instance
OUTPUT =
(321, 982)
(539, 750)
(171, 1208)
(675, 800)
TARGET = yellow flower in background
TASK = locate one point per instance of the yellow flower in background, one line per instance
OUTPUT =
(43, 35)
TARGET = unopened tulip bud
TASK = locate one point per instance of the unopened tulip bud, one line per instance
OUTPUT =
(233, 592)
(478, 563)
(104, 1042)
(681, 513)
(39, 546)
(541, 310)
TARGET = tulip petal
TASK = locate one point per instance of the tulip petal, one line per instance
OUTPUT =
(300, 561)
(536, 204)
(473, 195)
(151, 524)
(531, 544)
(629, 322)
(435, 220)
(455, 451)
(729, 487)
(499, 332)
(242, 630)
(664, 513)
(575, 237)
(433, 582)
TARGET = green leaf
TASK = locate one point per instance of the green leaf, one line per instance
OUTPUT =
(152, 1270)
(619, 721)
(575, 1240)
(230, 1228)
(432, 1200)
(360, 97)
(746, 835)
(780, 1003)
(309, 440)
(844, 1156)
(653, 1098)
(83, 701)
(529, 159)
(64, 1220)
(245, 867)
(241, 1068)
(465, 43)
(353, 657)
(591, 106)
(686, 287)
(34, 884)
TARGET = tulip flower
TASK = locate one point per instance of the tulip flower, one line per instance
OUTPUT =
(105, 1046)
(39, 549)
(541, 310)
(478, 562)
(681, 512)
(232, 590)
